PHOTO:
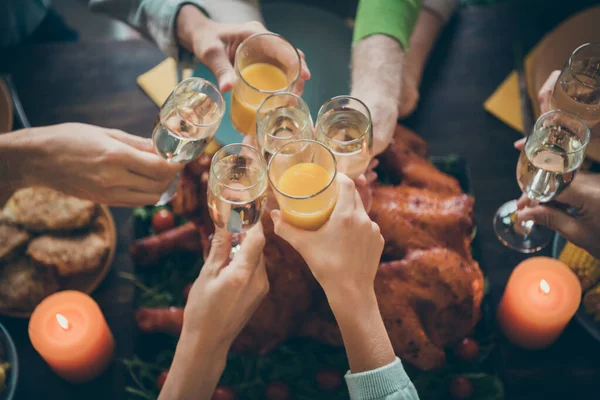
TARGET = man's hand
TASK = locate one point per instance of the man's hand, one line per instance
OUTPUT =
(106, 166)
(215, 44)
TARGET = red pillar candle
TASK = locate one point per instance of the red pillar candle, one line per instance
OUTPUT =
(70, 332)
(541, 297)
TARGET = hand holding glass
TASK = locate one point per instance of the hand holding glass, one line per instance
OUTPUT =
(186, 123)
(553, 152)
(237, 186)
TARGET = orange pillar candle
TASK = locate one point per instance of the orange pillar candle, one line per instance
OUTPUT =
(69, 331)
(541, 297)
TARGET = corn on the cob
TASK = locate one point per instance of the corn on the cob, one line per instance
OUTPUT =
(586, 267)
(591, 302)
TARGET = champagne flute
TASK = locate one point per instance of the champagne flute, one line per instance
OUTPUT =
(553, 152)
(344, 125)
(303, 176)
(280, 119)
(186, 123)
(237, 186)
(578, 87)
(265, 63)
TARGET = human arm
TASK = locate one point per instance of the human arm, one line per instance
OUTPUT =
(211, 30)
(220, 303)
(344, 255)
(385, 75)
(106, 166)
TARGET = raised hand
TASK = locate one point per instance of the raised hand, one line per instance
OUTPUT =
(583, 227)
(215, 44)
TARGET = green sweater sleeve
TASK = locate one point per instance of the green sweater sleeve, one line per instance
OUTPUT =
(395, 18)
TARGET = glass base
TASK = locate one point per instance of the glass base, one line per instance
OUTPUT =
(168, 195)
(523, 237)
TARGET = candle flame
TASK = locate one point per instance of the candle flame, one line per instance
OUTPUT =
(544, 286)
(62, 321)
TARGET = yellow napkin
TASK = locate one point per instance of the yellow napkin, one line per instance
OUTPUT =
(159, 82)
(504, 102)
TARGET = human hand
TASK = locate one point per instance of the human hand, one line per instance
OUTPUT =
(215, 44)
(106, 166)
(343, 254)
(545, 93)
(363, 184)
(227, 292)
(582, 228)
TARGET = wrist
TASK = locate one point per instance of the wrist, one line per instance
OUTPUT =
(190, 20)
(351, 300)
(18, 151)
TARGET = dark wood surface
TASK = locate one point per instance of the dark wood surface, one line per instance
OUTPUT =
(95, 83)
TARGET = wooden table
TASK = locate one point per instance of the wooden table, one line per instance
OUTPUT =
(95, 83)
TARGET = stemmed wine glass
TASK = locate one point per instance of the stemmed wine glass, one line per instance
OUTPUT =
(186, 123)
(344, 125)
(280, 119)
(552, 154)
(237, 186)
(578, 87)
(265, 63)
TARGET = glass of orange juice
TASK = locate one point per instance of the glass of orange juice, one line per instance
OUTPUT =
(282, 118)
(265, 63)
(302, 174)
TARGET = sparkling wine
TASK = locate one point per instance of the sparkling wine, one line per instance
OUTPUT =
(280, 126)
(237, 197)
(579, 93)
(344, 130)
(546, 169)
(182, 132)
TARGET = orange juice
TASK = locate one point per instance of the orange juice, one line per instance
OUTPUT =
(306, 179)
(245, 100)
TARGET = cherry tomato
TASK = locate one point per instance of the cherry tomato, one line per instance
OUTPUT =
(160, 380)
(186, 291)
(467, 350)
(277, 391)
(329, 380)
(461, 388)
(224, 393)
(163, 220)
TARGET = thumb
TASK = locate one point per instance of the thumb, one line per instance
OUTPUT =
(552, 218)
(287, 232)
(216, 59)
(220, 248)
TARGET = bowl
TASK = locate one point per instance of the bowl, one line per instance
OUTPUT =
(10, 356)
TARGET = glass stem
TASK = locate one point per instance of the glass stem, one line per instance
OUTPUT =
(236, 244)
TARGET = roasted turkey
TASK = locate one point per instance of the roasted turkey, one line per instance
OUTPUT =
(428, 286)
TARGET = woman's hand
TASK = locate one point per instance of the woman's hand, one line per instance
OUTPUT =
(220, 303)
(583, 228)
(227, 292)
(215, 44)
(106, 166)
(344, 254)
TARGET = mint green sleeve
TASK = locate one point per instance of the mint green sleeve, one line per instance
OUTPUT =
(389, 382)
(395, 18)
